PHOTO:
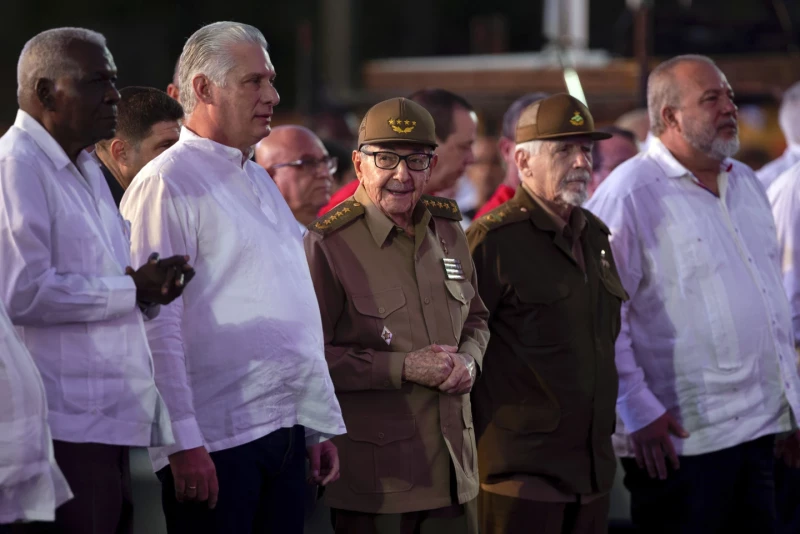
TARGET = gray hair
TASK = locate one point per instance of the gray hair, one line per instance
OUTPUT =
(532, 148)
(43, 56)
(789, 115)
(662, 91)
(208, 52)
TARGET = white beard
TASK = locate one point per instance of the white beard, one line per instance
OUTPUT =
(571, 197)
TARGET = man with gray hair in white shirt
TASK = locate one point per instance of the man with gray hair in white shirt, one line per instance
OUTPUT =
(789, 119)
(240, 357)
(706, 360)
(66, 280)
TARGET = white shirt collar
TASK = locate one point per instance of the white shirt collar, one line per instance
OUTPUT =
(46, 142)
(228, 152)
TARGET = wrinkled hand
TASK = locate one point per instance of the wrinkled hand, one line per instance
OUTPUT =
(429, 366)
(195, 476)
(461, 377)
(161, 281)
(324, 459)
(652, 443)
(788, 449)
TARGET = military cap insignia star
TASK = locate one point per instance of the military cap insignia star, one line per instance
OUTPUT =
(576, 119)
(397, 125)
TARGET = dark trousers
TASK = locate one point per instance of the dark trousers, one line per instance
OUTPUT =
(100, 478)
(731, 490)
(500, 514)
(787, 497)
(453, 520)
(261, 489)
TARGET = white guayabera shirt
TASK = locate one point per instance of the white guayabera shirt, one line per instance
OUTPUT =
(241, 353)
(707, 334)
(31, 484)
(63, 253)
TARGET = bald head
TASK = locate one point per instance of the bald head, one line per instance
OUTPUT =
(298, 162)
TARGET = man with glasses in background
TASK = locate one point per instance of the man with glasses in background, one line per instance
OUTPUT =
(404, 333)
(302, 169)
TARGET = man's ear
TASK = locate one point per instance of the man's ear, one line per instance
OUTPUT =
(202, 88)
(668, 117)
(45, 93)
(521, 158)
(119, 151)
(357, 163)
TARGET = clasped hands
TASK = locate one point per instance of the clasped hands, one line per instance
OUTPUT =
(441, 367)
(161, 281)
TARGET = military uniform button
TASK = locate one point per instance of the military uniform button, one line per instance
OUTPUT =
(381, 310)
(427, 300)
(380, 435)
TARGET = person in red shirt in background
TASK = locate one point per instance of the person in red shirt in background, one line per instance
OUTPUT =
(506, 146)
(456, 129)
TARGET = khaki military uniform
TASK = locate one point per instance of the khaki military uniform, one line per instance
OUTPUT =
(383, 294)
(545, 403)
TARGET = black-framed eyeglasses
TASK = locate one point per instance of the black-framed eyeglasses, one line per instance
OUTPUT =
(418, 161)
(327, 163)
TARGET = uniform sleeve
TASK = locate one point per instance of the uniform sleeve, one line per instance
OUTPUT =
(475, 332)
(161, 223)
(34, 292)
(351, 368)
(636, 404)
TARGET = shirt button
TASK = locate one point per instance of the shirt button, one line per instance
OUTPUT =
(427, 300)
(381, 310)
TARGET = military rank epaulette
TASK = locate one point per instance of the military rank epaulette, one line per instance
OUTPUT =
(347, 211)
(442, 207)
(505, 214)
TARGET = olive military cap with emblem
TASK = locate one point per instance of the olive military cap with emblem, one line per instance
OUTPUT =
(397, 120)
(556, 117)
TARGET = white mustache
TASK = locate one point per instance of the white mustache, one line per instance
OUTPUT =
(577, 176)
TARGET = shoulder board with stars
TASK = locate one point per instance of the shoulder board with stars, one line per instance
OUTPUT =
(347, 211)
(442, 207)
(508, 213)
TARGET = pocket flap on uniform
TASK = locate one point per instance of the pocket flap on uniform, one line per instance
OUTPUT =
(614, 286)
(380, 304)
(542, 294)
(461, 291)
(381, 431)
(527, 419)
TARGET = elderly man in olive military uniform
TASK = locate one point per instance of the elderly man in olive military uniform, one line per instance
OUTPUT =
(404, 334)
(544, 407)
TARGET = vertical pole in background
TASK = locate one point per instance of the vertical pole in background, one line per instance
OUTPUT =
(641, 43)
(336, 42)
(304, 68)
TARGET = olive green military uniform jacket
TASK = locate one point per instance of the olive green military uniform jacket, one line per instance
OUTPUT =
(382, 294)
(545, 402)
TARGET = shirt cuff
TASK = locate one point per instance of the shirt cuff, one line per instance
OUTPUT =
(187, 436)
(121, 296)
(639, 409)
(387, 370)
(473, 350)
(314, 437)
